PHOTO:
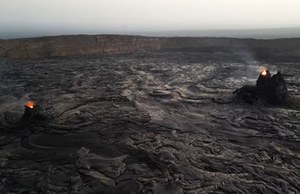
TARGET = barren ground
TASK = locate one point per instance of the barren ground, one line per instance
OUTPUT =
(162, 123)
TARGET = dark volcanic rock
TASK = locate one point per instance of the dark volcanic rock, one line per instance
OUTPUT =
(62, 46)
(248, 93)
(83, 45)
(146, 123)
(270, 89)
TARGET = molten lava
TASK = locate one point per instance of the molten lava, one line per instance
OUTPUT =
(30, 104)
(264, 72)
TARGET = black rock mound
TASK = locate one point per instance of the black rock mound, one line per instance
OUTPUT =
(269, 89)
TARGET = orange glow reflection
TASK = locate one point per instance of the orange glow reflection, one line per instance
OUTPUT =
(264, 72)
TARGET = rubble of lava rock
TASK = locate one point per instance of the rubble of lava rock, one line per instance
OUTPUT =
(161, 123)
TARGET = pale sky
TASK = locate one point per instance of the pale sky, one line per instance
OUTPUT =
(42, 17)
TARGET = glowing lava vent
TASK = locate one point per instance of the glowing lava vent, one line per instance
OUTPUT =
(30, 104)
(264, 72)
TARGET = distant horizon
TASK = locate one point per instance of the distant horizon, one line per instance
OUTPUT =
(260, 33)
(34, 18)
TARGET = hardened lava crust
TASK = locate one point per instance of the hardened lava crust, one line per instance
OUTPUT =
(150, 122)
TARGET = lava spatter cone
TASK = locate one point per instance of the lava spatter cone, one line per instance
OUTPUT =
(263, 79)
(272, 88)
(32, 111)
(269, 89)
(29, 111)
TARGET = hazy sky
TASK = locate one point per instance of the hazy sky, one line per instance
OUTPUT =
(40, 17)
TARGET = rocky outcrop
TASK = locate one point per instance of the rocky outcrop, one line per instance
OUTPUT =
(80, 45)
(269, 90)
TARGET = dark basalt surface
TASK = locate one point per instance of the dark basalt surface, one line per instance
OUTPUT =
(161, 123)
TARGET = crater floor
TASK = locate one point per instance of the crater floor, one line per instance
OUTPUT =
(161, 123)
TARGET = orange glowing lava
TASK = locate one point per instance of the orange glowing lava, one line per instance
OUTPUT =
(264, 72)
(29, 104)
